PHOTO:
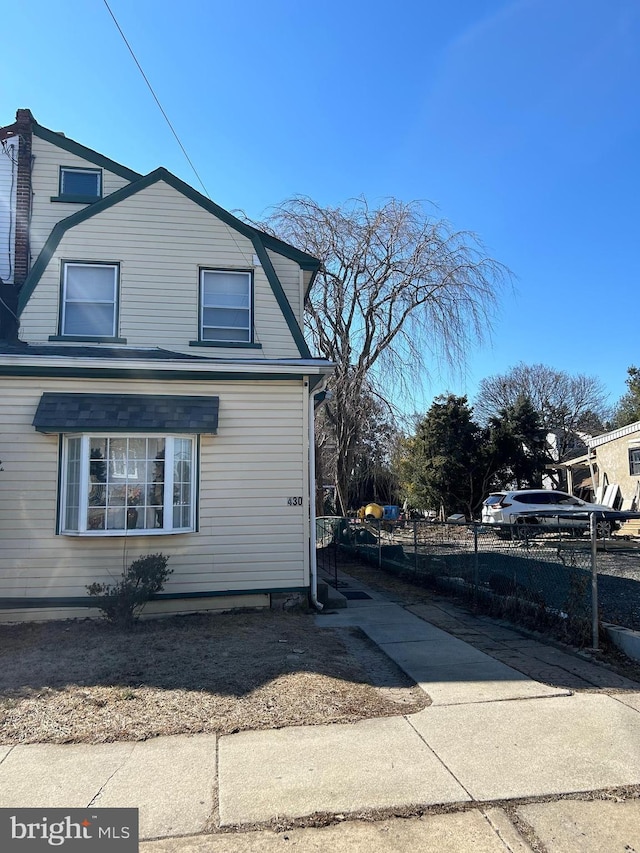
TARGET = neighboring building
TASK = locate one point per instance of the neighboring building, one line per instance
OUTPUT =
(157, 390)
(609, 472)
(564, 446)
(615, 460)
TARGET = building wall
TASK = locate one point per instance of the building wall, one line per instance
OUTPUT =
(613, 460)
(288, 272)
(47, 159)
(160, 238)
(249, 538)
(46, 214)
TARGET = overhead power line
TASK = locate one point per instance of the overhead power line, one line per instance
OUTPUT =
(157, 100)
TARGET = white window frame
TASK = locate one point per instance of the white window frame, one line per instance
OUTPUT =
(68, 169)
(85, 483)
(67, 265)
(248, 275)
(634, 461)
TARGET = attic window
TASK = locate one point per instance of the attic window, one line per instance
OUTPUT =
(79, 185)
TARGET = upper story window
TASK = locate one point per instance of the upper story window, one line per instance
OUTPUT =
(89, 300)
(226, 301)
(81, 186)
(634, 461)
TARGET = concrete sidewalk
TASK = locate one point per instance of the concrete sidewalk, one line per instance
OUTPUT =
(492, 734)
(559, 827)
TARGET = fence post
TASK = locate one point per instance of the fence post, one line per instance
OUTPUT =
(594, 581)
(336, 539)
(476, 568)
(415, 546)
(379, 543)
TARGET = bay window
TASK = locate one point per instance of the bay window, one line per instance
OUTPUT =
(124, 484)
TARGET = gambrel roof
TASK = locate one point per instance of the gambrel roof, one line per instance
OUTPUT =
(259, 239)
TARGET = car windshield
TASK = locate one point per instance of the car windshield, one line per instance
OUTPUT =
(493, 499)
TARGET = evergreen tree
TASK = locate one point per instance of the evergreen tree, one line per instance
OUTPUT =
(518, 446)
(443, 463)
(628, 409)
(568, 406)
(451, 463)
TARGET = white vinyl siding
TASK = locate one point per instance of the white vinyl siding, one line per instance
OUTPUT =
(47, 160)
(248, 537)
(162, 240)
(288, 273)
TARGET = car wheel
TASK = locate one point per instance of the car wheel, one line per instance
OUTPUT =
(524, 527)
(603, 529)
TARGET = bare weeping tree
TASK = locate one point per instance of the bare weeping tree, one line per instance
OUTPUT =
(568, 406)
(398, 290)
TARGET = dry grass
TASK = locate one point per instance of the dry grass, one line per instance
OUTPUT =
(84, 681)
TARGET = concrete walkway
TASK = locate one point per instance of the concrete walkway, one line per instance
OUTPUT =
(493, 733)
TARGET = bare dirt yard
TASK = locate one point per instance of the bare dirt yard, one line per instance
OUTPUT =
(84, 681)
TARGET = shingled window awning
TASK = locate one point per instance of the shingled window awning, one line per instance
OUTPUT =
(126, 413)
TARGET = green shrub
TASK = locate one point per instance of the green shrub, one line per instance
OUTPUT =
(122, 603)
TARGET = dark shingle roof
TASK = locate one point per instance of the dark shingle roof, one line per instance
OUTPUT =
(126, 413)
(71, 351)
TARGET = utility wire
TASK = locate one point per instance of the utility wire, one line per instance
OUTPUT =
(166, 117)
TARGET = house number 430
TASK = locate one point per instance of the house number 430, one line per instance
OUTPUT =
(294, 501)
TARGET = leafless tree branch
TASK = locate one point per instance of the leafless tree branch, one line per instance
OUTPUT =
(397, 290)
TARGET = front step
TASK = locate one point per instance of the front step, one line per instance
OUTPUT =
(630, 528)
(330, 597)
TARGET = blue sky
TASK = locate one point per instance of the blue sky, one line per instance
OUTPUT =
(520, 119)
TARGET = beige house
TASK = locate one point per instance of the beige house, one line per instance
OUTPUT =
(614, 458)
(156, 386)
(609, 472)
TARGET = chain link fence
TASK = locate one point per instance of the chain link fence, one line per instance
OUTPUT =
(551, 575)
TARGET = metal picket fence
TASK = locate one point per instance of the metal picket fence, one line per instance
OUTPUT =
(548, 575)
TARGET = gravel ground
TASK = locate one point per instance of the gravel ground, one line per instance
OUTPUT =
(620, 559)
(556, 572)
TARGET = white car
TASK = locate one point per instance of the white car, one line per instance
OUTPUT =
(521, 506)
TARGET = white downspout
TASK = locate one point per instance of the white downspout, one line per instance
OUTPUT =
(313, 562)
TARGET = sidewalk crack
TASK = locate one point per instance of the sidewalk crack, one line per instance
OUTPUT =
(433, 752)
(8, 754)
(106, 782)
(525, 829)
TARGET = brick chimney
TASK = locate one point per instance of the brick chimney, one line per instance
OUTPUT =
(22, 128)
(22, 259)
